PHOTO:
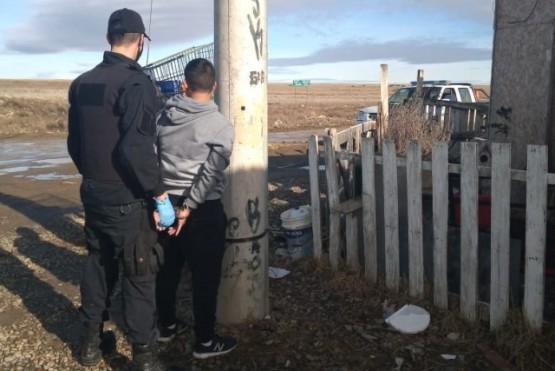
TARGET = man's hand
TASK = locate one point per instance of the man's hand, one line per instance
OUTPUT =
(156, 218)
(164, 208)
(181, 213)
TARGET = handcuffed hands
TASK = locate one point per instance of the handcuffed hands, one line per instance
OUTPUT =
(181, 213)
(166, 212)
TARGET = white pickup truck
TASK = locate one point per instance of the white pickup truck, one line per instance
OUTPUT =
(435, 90)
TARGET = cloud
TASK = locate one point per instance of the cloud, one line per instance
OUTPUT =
(409, 51)
(57, 26)
(477, 10)
(302, 34)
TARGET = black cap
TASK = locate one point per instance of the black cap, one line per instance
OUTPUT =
(126, 21)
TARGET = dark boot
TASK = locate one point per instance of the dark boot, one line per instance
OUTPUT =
(145, 358)
(95, 342)
(90, 353)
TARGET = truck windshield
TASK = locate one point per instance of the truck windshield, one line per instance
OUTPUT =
(432, 93)
(401, 95)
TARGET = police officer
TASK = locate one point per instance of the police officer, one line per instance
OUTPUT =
(111, 141)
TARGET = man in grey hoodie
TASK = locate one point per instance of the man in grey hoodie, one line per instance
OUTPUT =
(194, 145)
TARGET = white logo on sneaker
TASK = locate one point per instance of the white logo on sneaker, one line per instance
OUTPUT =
(219, 347)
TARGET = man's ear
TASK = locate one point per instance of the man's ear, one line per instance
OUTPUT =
(183, 86)
(214, 88)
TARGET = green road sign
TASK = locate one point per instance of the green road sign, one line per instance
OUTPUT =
(301, 82)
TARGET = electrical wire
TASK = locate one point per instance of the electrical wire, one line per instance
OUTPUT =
(149, 23)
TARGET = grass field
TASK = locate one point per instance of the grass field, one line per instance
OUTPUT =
(40, 106)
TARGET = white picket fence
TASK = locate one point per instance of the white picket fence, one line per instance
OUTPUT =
(536, 178)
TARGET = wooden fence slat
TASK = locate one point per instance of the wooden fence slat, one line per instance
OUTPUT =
(502, 175)
(314, 170)
(536, 210)
(357, 137)
(369, 210)
(469, 231)
(332, 179)
(351, 236)
(440, 215)
(500, 233)
(414, 210)
(335, 140)
(391, 215)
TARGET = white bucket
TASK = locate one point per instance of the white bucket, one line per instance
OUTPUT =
(297, 227)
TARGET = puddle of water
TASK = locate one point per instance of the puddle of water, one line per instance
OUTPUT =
(21, 155)
(51, 176)
(55, 161)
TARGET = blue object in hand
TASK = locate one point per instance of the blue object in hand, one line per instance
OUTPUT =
(166, 212)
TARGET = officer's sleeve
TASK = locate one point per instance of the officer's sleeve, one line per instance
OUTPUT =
(74, 132)
(136, 152)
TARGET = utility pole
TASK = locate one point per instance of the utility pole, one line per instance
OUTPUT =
(241, 61)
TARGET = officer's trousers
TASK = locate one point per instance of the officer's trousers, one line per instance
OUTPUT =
(114, 233)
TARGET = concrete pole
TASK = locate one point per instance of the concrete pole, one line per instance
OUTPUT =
(241, 61)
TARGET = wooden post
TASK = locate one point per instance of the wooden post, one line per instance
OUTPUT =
(333, 202)
(469, 231)
(369, 210)
(419, 83)
(440, 215)
(500, 233)
(241, 62)
(414, 210)
(351, 237)
(391, 215)
(384, 97)
(314, 166)
(536, 210)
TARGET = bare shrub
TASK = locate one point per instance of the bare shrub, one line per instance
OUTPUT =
(409, 121)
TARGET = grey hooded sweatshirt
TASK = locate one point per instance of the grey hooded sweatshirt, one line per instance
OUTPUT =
(194, 147)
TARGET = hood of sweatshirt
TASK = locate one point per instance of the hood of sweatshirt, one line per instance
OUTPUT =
(181, 109)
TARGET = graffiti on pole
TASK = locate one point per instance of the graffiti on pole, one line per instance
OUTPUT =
(257, 34)
(253, 215)
(257, 77)
(256, 31)
(233, 226)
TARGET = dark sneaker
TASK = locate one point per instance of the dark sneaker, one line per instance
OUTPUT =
(167, 334)
(218, 346)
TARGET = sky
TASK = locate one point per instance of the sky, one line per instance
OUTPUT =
(318, 40)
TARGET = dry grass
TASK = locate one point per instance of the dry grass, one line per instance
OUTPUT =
(31, 116)
(40, 106)
(421, 128)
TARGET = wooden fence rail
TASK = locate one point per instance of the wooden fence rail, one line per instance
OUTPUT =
(385, 189)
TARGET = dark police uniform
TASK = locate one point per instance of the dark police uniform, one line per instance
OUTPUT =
(111, 141)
